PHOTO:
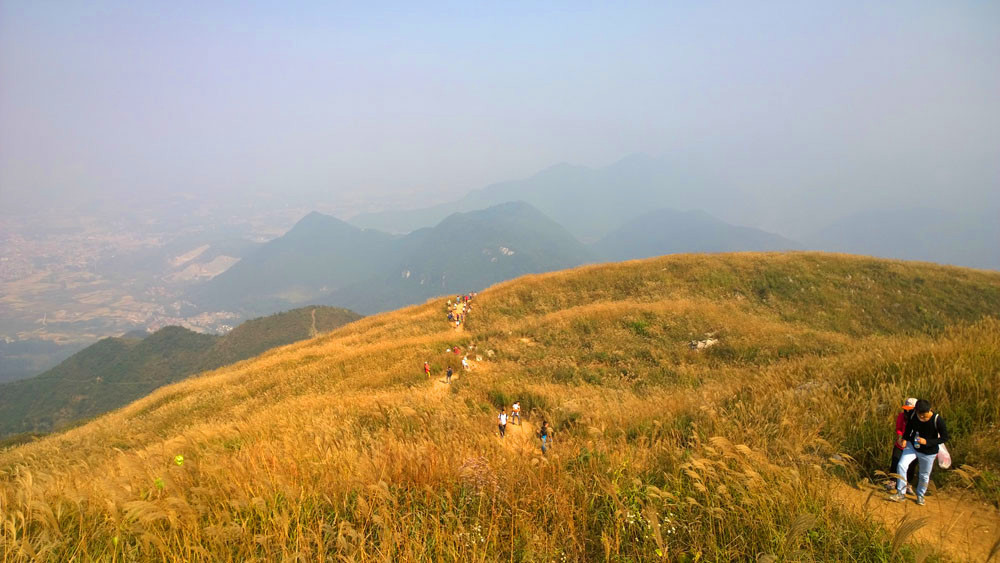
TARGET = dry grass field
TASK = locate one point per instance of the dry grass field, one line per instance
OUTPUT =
(339, 449)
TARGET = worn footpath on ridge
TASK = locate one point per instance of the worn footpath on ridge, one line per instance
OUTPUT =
(955, 523)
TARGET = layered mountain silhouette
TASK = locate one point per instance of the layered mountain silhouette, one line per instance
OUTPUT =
(561, 217)
(667, 231)
(589, 203)
(118, 370)
(593, 203)
(326, 260)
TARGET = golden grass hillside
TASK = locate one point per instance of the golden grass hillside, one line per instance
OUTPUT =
(338, 448)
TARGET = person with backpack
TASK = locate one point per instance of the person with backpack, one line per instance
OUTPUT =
(924, 434)
(897, 446)
(515, 412)
(502, 422)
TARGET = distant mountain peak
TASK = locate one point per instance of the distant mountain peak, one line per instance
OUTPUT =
(317, 218)
(318, 224)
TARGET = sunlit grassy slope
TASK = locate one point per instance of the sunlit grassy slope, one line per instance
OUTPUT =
(338, 446)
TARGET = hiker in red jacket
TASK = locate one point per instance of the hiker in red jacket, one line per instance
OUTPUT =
(897, 447)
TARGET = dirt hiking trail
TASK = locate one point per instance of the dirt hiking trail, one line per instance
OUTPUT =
(523, 439)
(440, 385)
(957, 525)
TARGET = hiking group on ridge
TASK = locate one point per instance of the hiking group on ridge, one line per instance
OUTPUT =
(460, 308)
(457, 310)
(456, 313)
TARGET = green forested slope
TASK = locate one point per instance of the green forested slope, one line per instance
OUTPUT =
(117, 371)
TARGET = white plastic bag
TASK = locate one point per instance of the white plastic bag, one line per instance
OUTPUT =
(943, 457)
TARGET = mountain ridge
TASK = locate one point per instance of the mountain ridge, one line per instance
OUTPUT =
(302, 267)
(588, 202)
(592, 203)
(813, 354)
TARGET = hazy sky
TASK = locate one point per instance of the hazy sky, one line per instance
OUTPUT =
(849, 101)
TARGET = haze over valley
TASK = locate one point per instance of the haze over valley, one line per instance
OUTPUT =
(70, 278)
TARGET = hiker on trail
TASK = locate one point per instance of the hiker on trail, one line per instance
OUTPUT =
(925, 432)
(502, 422)
(897, 447)
(545, 433)
(465, 363)
(515, 412)
(427, 370)
(448, 375)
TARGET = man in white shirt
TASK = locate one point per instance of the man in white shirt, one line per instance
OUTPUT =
(515, 412)
(502, 422)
